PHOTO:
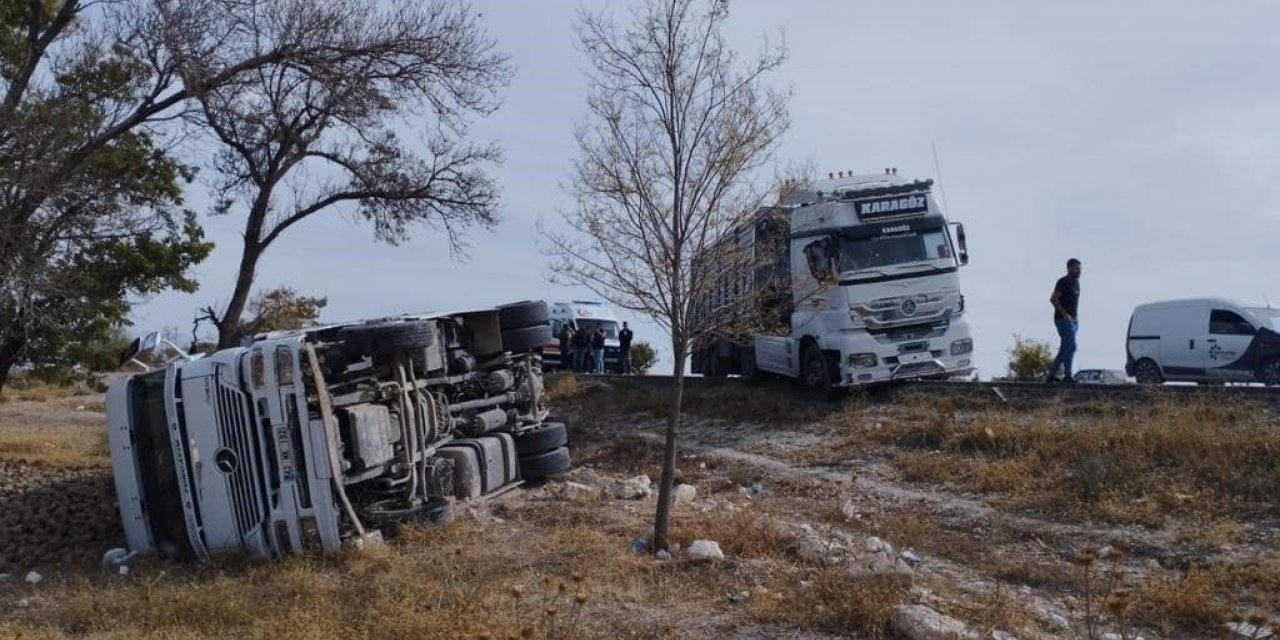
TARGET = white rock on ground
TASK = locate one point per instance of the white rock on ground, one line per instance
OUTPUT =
(577, 492)
(685, 493)
(705, 550)
(918, 622)
(34, 577)
(636, 488)
(1249, 631)
(876, 545)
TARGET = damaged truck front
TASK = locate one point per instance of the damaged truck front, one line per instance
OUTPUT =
(312, 439)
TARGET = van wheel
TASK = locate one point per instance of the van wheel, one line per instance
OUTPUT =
(1270, 374)
(1148, 372)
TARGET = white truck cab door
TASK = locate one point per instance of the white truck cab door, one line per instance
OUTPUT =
(1224, 345)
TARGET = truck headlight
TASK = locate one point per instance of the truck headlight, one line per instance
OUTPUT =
(962, 346)
(863, 360)
(856, 319)
(258, 369)
(284, 366)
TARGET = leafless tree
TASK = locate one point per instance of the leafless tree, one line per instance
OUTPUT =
(299, 141)
(677, 123)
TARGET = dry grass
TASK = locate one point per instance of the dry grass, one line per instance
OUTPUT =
(463, 581)
(61, 434)
(23, 387)
(1208, 459)
(834, 601)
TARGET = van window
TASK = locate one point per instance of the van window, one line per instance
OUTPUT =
(1223, 322)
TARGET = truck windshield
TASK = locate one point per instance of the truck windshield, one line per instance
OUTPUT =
(156, 463)
(889, 245)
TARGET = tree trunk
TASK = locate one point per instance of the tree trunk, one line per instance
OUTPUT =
(663, 517)
(229, 329)
(10, 348)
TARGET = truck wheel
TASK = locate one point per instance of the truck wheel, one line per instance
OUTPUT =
(387, 337)
(1270, 373)
(541, 465)
(1147, 372)
(392, 512)
(543, 438)
(522, 314)
(816, 373)
(747, 365)
(527, 338)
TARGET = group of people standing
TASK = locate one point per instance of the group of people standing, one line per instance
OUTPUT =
(583, 351)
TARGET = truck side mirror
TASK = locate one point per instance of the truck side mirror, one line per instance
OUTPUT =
(818, 255)
(962, 250)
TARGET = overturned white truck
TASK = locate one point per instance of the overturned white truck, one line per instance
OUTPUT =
(310, 439)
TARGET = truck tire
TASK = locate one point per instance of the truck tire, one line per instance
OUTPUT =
(527, 338)
(543, 438)
(1147, 372)
(392, 513)
(522, 314)
(541, 465)
(387, 337)
(747, 365)
(816, 373)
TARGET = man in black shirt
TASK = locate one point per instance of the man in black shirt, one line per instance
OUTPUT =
(1066, 300)
(624, 348)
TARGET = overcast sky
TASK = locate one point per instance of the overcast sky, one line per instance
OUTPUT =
(1140, 137)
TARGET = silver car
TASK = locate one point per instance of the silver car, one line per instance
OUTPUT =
(1101, 376)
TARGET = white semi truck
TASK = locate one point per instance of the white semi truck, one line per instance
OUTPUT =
(312, 439)
(851, 280)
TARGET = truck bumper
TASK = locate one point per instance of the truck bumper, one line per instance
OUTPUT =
(944, 353)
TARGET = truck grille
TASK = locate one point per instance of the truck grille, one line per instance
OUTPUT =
(240, 467)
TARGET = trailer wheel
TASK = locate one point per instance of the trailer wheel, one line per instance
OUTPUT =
(1147, 372)
(543, 438)
(387, 337)
(1270, 373)
(392, 513)
(522, 314)
(747, 365)
(541, 465)
(527, 338)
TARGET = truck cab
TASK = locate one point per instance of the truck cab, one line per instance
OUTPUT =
(312, 439)
(872, 266)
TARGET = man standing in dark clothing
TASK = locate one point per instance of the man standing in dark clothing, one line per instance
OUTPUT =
(566, 347)
(597, 351)
(1066, 300)
(624, 349)
(581, 344)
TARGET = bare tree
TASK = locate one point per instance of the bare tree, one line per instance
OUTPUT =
(299, 141)
(677, 123)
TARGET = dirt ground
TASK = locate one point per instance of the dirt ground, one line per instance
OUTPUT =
(829, 517)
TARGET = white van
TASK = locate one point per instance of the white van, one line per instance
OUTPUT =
(583, 315)
(1204, 340)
